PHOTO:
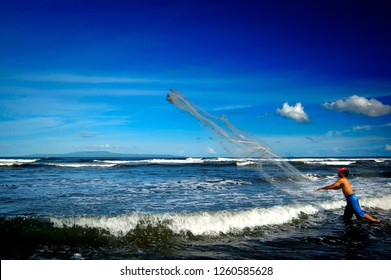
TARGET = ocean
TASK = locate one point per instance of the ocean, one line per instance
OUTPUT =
(189, 208)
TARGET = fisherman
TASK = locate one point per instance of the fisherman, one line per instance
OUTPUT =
(352, 205)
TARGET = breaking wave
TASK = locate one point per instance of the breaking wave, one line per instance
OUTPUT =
(111, 163)
(209, 223)
(15, 162)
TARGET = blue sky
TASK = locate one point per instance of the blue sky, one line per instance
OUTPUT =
(309, 78)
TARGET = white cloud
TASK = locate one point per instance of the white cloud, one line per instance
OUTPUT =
(359, 105)
(388, 147)
(293, 112)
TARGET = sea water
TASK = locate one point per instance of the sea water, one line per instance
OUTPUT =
(189, 208)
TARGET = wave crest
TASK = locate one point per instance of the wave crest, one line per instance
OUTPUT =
(16, 162)
(210, 223)
(197, 223)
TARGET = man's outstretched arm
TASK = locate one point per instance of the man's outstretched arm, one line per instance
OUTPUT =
(336, 186)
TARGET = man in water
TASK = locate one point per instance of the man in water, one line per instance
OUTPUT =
(352, 206)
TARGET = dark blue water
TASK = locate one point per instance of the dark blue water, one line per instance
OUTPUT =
(94, 208)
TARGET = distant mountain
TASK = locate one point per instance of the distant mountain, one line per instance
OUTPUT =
(99, 154)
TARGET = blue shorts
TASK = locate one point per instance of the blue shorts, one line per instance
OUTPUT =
(353, 207)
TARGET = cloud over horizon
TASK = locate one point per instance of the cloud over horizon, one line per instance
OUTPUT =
(359, 105)
(293, 112)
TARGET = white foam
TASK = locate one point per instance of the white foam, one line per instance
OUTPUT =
(81, 165)
(197, 223)
(230, 159)
(215, 223)
(331, 162)
(336, 161)
(240, 161)
(378, 202)
(157, 161)
(116, 161)
(312, 177)
(383, 203)
(212, 223)
(332, 205)
(174, 161)
(379, 160)
(118, 225)
(225, 159)
(244, 163)
(12, 162)
(112, 163)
